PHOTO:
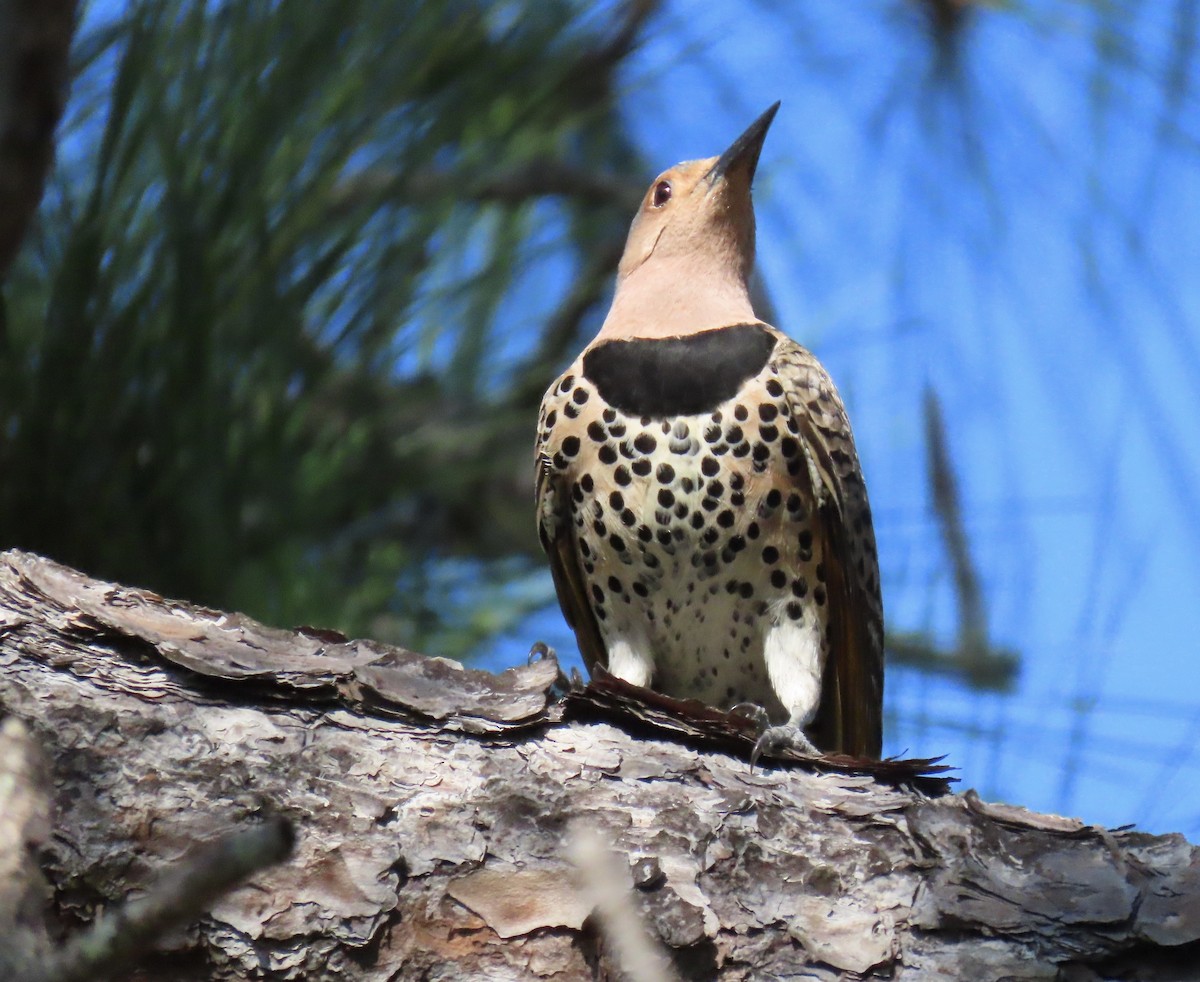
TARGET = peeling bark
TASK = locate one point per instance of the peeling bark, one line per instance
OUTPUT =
(434, 808)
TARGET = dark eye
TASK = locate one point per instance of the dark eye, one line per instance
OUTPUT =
(662, 193)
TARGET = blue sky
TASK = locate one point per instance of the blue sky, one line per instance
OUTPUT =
(1028, 249)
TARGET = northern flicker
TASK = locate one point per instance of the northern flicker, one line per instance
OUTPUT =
(698, 490)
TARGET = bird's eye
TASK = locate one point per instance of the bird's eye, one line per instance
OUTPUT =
(662, 193)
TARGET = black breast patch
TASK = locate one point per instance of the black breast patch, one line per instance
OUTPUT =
(661, 377)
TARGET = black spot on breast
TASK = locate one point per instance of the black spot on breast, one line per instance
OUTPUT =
(663, 377)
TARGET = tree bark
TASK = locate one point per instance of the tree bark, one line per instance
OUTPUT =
(443, 817)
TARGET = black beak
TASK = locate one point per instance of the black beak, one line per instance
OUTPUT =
(743, 154)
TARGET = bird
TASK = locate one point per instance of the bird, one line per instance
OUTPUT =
(698, 490)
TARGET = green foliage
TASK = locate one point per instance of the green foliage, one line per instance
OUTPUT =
(253, 358)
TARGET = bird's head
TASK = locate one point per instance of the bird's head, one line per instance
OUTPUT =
(697, 217)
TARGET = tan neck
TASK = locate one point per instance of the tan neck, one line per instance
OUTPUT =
(671, 297)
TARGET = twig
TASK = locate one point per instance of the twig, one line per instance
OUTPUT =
(116, 940)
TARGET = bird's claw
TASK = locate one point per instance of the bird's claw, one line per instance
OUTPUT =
(787, 736)
(540, 651)
(753, 712)
(772, 739)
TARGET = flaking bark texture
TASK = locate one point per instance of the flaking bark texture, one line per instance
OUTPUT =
(435, 808)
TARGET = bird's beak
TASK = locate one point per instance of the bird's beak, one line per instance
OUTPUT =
(743, 153)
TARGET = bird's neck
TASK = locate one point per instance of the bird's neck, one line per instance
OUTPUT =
(674, 297)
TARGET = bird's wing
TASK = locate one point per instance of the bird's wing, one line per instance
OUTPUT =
(556, 532)
(850, 718)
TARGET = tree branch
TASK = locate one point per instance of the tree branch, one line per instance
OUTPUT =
(432, 805)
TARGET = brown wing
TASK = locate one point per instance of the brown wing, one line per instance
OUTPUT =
(850, 719)
(556, 532)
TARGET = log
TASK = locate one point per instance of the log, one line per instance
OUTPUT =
(454, 824)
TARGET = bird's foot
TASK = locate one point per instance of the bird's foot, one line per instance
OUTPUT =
(772, 739)
(753, 712)
(540, 651)
(787, 736)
